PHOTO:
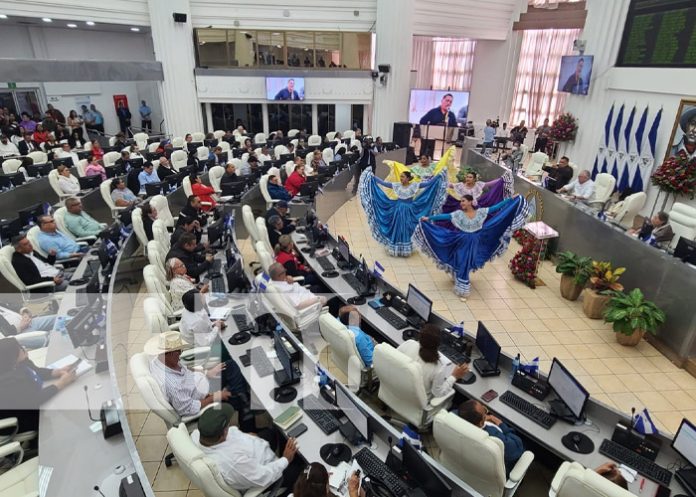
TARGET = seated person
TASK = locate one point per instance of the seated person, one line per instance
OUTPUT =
(350, 317)
(265, 154)
(318, 164)
(203, 192)
(216, 156)
(78, 222)
(188, 225)
(655, 231)
(581, 188)
(7, 148)
(513, 159)
(438, 374)
(66, 181)
(147, 176)
(164, 169)
(179, 282)
(245, 461)
(23, 382)
(16, 323)
(121, 194)
(185, 249)
(280, 209)
(94, 168)
(230, 175)
(253, 163)
(276, 190)
(64, 151)
(298, 295)
(286, 255)
(192, 211)
(477, 414)
(314, 482)
(121, 141)
(610, 471)
(148, 214)
(559, 175)
(275, 231)
(296, 180)
(125, 161)
(51, 239)
(31, 269)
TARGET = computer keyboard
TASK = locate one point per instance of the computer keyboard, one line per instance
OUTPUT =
(241, 321)
(641, 464)
(260, 361)
(215, 266)
(375, 468)
(323, 418)
(217, 285)
(454, 355)
(353, 282)
(325, 263)
(390, 317)
(527, 409)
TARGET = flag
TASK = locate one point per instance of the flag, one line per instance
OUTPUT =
(607, 126)
(321, 374)
(531, 368)
(652, 134)
(47, 209)
(458, 329)
(263, 282)
(643, 423)
(378, 270)
(411, 436)
(640, 130)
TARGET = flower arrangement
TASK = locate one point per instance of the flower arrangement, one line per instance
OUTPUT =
(676, 175)
(564, 128)
(524, 264)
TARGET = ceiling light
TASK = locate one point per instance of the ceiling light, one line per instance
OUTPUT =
(89, 23)
(72, 25)
(47, 19)
(3, 16)
(135, 30)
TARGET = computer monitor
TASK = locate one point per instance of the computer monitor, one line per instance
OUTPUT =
(81, 327)
(237, 282)
(63, 161)
(570, 392)
(234, 189)
(283, 158)
(366, 277)
(490, 351)
(684, 442)
(38, 170)
(343, 249)
(287, 375)
(309, 189)
(420, 304)
(107, 254)
(10, 228)
(113, 171)
(359, 421)
(152, 189)
(30, 215)
(13, 179)
(418, 469)
(89, 182)
(210, 142)
(686, 250)
(216, 232)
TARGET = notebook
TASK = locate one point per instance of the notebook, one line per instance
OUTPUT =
(82, 367)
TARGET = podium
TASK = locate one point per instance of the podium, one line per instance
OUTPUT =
(431, 134)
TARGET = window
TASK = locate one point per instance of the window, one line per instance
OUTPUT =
(212, 47)
(300, 49)
(443, 63)
(535, 97)
(289, 116)
(271, 48)
(357, 113)
(226, 116)
(326, 117)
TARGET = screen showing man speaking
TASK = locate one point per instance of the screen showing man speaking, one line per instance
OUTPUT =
(285, 88)
(438, 107)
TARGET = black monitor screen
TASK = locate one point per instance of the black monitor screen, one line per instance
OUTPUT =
(417, 301)
(567, 388)
(88, 182)
(343, 249)
(423, 474)
(283, 354)
(685, 441)
(215, 231)
(283, 158)
(65, 161)
(489, 348)
(352, 411)
(686, 250)
(31, 214)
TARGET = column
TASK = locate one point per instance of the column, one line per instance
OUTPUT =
(209, 117)
(394, 46)
(173, 43)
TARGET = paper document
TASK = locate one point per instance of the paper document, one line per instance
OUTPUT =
(82, 367)
(217, 313)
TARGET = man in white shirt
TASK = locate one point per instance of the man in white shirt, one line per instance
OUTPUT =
(245, 461)
(298, 295)
(17, 323)
(65, 152)
(66, 181)
(581, 188)
(7, 148)
(265, 155)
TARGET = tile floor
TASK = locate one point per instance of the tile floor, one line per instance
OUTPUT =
(532, 322)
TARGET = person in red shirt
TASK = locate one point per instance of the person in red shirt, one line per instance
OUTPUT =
(40, 134)
(97, 151)
(285, 254)
(296, 180)
(204, 192)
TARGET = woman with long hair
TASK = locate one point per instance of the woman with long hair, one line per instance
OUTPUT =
(475, 237)
(314, 482)
(204, 192)
(484, 193)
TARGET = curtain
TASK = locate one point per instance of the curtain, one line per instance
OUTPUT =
(535, 97)
(443, 63)
(422, 61)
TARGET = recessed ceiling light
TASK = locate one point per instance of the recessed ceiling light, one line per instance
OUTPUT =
(89, 23)
(135, 29)
(3, 16)
(72, 25)
(47, 19)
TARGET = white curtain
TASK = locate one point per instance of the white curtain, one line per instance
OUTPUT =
(422, 61)
(443, 63)
(535, 97)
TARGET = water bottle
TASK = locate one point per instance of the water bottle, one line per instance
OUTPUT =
(515, 366)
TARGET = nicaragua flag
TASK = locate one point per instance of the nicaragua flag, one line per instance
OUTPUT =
(531, 368)
(411, 436)
(378, 270)
(643, 423)
(263, 282)
(47, 209)
(458, 329)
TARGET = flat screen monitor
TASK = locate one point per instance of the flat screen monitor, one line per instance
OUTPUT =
(423, 474)
(152, 189)
(63, 161)
(284, 356)
(567, 388)
(575, 73)
(283, 158)
(343, 249)
(686, 250)
(422, 102)
(234, 189)
(352, 411)
(684, 441)
(81, 327)
(309, 188)
(89, 182)
(37, 170)
(216, 231)
(285, 88)
(487, 345)
(30, 215)
(10, 228)
(417, 301)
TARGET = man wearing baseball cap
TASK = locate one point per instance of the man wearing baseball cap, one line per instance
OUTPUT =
(245, 461)
(280, 209)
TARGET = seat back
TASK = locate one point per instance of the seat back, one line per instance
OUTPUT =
(202, 153)
(197, 137)
(225, 146)
(263, 186)
(156, 256)
(141, 140)
(179, 160)
(157, 290)
(292, 132)
(112, 141)
(38, 157)
(8, 270)
(110, 158)
(10, 166)
(278, 150)
(59, 216)
(576, 170)
(138, 228)
(265, 258)
(250, 223)
(258, 151)
(294, 142)
(574, 480)
(262, 230)
(604, 187)
(289, 168)
(314, 140)
(178, 142)
(160, 234)
(33, 236)
(81, 166)
(330, 136)
(186, 185)
(22, 480)
(260, 138)
(53, 181)
(105, 190)
(293, 318)
(632, 205)
(245, 157)
(328, 155)
(164, 214)
(682, 218)
(341, 343)
(152, 147)
(470, 453)
(215, 174)
(218, 134)
(349, 133)
(150, 390)
(401, 386)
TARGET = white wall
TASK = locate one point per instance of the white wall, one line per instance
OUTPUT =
(658, 88)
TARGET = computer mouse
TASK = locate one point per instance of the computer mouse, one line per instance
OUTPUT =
(286, 391)
(330, 274)
(218, 302)
(409, 334)
(336, 451)
(576, 438)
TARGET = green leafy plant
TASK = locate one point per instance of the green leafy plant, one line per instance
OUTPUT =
(629, 312)
(463, 171)
(604, 278)
(570, 264)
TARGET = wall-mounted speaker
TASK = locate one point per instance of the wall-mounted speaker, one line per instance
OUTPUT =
(178, 17)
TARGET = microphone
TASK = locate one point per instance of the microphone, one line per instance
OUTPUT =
(633, 417)
(89, 411)
(96, 489)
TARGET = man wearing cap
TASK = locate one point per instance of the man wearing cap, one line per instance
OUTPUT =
(280, 209)
(244, 461)
(687, 145)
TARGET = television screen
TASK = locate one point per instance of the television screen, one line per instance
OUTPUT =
(285, 88)
(424, 101)
(576, 71)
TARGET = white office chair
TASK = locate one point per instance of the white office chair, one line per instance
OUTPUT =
(138, 228)
(156, 288)
(629, 209)
(186, 185)
(164, 214)
(161, 234)
(682, 218)
(112, 141)
(178, 142)
(225, 146)
(533, 169)
(201, 469)
(8, 272)
(279, 150)
(11, 425)
(110, 158)
(202, 153)
(476, 457)
(179, 160)
(330, 136)
(59, 216)
(294, 142)
(260, 138)
(250, 223)
(30, 340)
(156, 255)
(141, 140)
(265, 257)
(81, 166)
(215, 175)
(604, 187)
(263, 187)
(343, 352)
(576, 170)
(314, 140)
(356, 143)
(197, 137)
(53, 181)
(105, 190)
(293, 132)
(289, 167)
(22, 480)
(262, 230)
(245, 157)
(574, 480)
(296, 320)
(349, 133)
(10, 166)
(38, 157)
(152, 147)
(218, 134)
(240, 139)
(401, 387)
(327, 155)
(87, 147)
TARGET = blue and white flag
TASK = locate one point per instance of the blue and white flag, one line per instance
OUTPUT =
(411, 436)
(378, 270)
(643, 423)
(458, 329)
(321, 374)
(47, 209)
(531, 368)
(263, 282)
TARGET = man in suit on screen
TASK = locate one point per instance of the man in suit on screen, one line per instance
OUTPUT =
(438, 116)
(288, 93)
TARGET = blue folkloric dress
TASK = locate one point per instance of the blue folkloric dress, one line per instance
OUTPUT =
(470, 243)
(485, 194)
(392, 222)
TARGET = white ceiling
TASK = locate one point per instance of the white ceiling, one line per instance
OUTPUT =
(476, 19)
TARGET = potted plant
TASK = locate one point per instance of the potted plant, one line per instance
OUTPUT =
(632, 316)
(603, 281)
(575, 272)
